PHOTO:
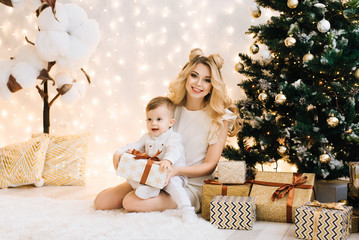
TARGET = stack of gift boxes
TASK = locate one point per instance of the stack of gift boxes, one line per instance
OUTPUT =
(230, 202)
(234, 202)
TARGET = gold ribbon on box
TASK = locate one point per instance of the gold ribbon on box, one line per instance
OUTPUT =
(150, 160)
(286, 188)
(332, 205)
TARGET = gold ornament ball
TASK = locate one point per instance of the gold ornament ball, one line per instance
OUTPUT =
(263, 97)
(254, 49)
(356, 74)
(282, 150)
(308, 57)
(344, 2)
(290, 41)
(292, 3)
(256, 14)
(280, 98)
(333, 121)
(239, 67)
(324, 158)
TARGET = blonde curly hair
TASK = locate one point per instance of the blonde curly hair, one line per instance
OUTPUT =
(217, 101)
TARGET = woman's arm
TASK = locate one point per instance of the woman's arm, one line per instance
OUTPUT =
(210, 162)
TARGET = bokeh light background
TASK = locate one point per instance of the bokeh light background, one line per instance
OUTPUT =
(144, 44)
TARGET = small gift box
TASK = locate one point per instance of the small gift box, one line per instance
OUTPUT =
(323, 221)
(211, 188)
(141, 170)
(233, 212)
(278, 194)
(354, 174)
(232, 172)
(331, 190)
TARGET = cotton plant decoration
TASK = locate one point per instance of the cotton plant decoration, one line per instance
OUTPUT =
(64, 43)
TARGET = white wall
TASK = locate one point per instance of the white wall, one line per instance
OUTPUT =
(144, 44)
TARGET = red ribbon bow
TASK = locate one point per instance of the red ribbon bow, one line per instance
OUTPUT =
(140, 155)
(150, 160)
(286, 188)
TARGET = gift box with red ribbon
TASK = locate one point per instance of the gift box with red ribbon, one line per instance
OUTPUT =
(140, 168)
(278, 194)
(212, 188)
(323, 221)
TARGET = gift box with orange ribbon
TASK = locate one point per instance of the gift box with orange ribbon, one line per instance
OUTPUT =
(212, 188)
(140, 168)
(323, 221)
(278, 194)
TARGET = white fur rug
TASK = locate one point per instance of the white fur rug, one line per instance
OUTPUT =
(44, 218)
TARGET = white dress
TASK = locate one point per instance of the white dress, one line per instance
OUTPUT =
(194, 127)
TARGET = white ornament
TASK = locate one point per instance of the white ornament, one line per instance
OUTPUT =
(266, 55)
(323, 25)
(290, 41)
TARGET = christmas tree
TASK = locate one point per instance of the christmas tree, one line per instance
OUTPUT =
(302, 84)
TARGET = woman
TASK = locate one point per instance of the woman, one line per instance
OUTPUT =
(204, 116)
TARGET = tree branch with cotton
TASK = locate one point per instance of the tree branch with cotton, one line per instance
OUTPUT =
(63, 45)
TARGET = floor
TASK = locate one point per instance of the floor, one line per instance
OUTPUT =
(261, 230)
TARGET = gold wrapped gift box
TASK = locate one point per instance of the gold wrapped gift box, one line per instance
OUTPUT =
(354, 174)
(233, 172)
(212, 188)
(292, 190)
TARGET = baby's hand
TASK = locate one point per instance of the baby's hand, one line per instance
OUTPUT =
(165, 165)
(129, 150)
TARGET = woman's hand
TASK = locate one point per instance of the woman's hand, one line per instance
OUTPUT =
(116, 160)
(171, 172)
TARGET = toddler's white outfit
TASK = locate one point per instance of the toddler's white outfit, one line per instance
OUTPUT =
(171, 147)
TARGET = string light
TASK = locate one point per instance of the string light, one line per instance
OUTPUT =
(144, 44)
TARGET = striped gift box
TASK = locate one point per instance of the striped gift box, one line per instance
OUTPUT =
(233, 212)
(322, 223)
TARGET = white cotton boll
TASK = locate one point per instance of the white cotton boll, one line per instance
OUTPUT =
(71, 96)
(5, 68)
(52, 44)
(25, 74)
(28, 53)
(63, 78)
(88, 33)
(5, 93)
(17, 3)
(78, 55)
(33, 4)
(47, 21)
(76, 16)
(81, 88)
